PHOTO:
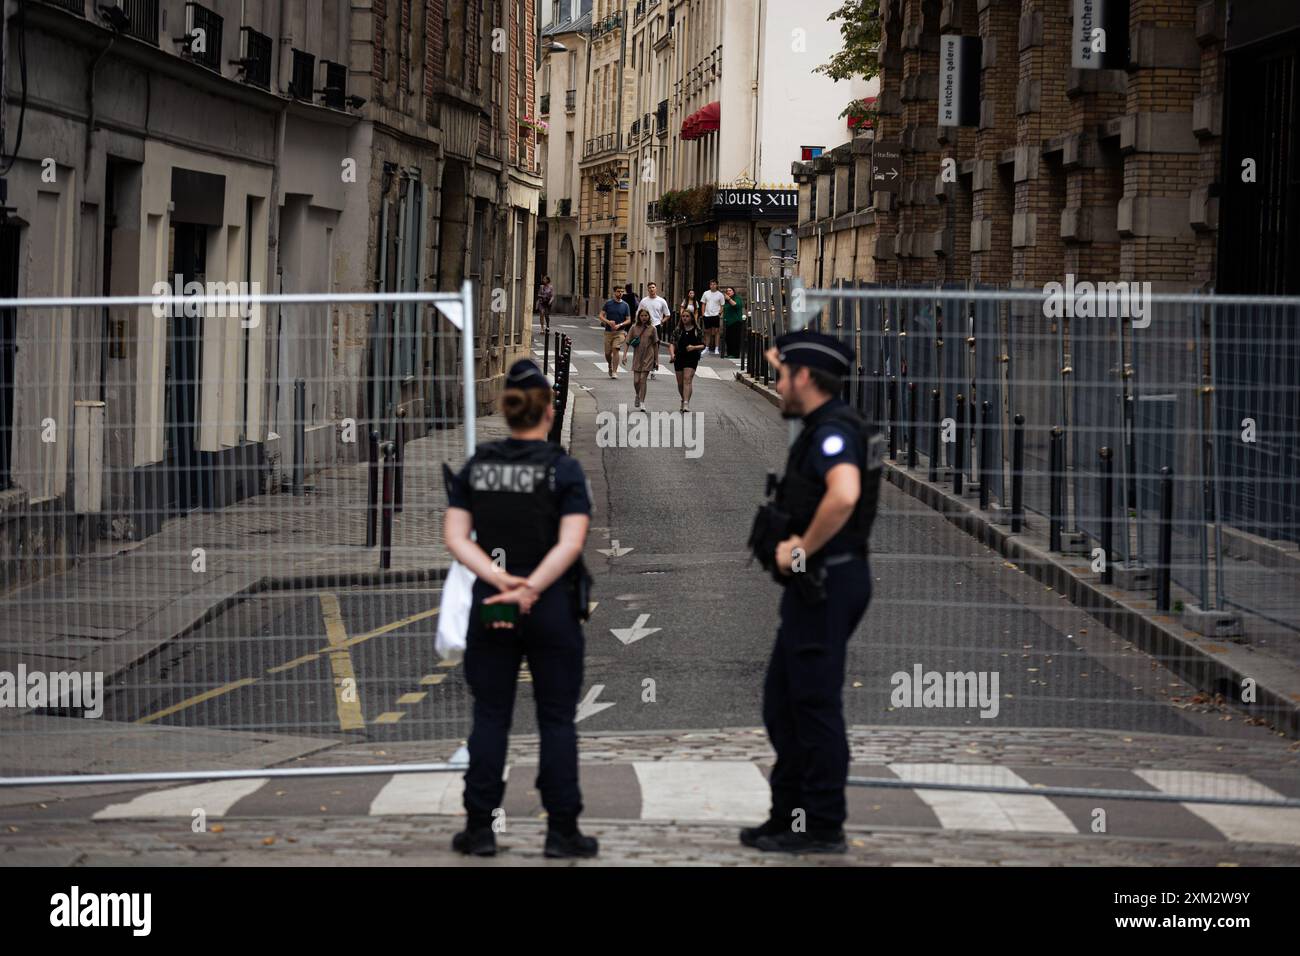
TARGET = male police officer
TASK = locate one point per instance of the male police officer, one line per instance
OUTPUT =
(814, 538)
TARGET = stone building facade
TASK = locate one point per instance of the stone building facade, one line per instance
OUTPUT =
(292, 146)
(1111, 174)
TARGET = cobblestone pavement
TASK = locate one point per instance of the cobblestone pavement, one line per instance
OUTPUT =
(423, 841)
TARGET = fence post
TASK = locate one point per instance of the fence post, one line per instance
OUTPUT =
(985, 466)
(911, 424)
(1107, 518)
(386, 526)
(299, 434)
(372, 490)
(401, 459)
(1018, 476)
(893, 418)
(935, 425)
(546, 348)
(1166, 538)
(1054, 488)
(958, 455)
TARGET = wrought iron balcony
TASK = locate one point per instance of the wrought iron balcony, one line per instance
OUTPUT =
(254, 58)
(203, 34)
(570, 100)
(545, 108)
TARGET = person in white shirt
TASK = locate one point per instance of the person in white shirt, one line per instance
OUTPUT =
(712, 302)
(658, 308)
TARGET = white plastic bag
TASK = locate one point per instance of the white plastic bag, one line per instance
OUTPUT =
(453, 614)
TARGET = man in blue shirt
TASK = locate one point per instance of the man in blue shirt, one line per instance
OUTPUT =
(615, 317)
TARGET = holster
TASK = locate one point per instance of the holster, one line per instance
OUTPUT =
(771, 527)
(582, 582)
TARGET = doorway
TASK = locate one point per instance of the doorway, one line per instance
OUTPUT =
(181, 457)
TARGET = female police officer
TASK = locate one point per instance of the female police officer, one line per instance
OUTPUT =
(528, 505)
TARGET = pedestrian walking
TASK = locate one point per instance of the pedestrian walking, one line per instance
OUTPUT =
(684, 353)
(733, 322)
(660, 312)
(711, 302)
(545, 299)
(523, 498)
(813, 538)
(688, 304)
(630, 298)
(644, 342)
(614, 320)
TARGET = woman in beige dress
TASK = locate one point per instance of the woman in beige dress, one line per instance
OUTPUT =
(643, 339)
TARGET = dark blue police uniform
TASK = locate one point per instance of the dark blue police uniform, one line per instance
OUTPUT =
(517, 492)
(802, 694)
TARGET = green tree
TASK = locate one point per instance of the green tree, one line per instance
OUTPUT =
(860, 30)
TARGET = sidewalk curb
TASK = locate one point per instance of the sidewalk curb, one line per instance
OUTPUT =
(1207, 668)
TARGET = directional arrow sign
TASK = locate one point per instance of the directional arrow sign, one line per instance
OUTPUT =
(614, 551)
(886, 158)
(634, 633)
(588, 705)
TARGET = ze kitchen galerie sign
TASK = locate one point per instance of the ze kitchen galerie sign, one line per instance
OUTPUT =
(959, 80)
(758, 203)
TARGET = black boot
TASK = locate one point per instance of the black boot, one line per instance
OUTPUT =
(475, 841)
(570, 843)
(787, 841)
(770, 827)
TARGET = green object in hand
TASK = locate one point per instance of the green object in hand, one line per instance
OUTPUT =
(494, 613)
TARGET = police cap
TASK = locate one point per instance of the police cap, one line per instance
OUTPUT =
(814, 350)
(526, 374)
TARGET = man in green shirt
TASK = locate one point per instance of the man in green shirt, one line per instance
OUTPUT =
(733, 320)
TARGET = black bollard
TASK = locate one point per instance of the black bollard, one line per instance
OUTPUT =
(985, 466)
(299, 434)
(911, 425)
(386, 525)
(959, 453)
(935, 425)
(1107, 518)
(546, 350)
(372, 490)
(1018, 476)
(1166, 538)
(893, 418)
(1055, 464)
(401, 459)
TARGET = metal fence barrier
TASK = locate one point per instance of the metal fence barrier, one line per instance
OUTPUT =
(215, 509)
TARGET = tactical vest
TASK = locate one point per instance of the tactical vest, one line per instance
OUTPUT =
(800, 494)
(513, 501)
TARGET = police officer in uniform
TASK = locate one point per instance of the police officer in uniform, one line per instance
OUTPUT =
(813, 537)
(528, 506)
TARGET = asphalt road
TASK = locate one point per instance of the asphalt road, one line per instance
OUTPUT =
(683, 625)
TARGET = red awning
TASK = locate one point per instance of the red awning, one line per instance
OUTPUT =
(709, 118)
(704, 120)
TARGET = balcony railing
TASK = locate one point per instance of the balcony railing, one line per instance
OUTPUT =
(72, 6)
(336, 85)
(652, 213)
(546, 104)
(142, 16)
(639, 10)
(601, 144)
(607, 25)
(570, 100)
(564, 208)
(255, 58)
(636, 128)
(302, 80)
(661, 119)
(203, 34)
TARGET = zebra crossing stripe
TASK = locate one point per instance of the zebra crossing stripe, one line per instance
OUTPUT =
(1242, 824)
(420, 793)
(215, 799)
(702, 790)
(962, 810)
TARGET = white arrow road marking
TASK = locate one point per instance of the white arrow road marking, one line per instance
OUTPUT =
(215, 798)
(614, 551)
(589, 706)
(634, 633)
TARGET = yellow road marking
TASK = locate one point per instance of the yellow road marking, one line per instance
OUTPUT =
(392, 626)
(414, 697)
(341, 664)
(294, 663)
(389, 717)
(198, 699)
(431, 679)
